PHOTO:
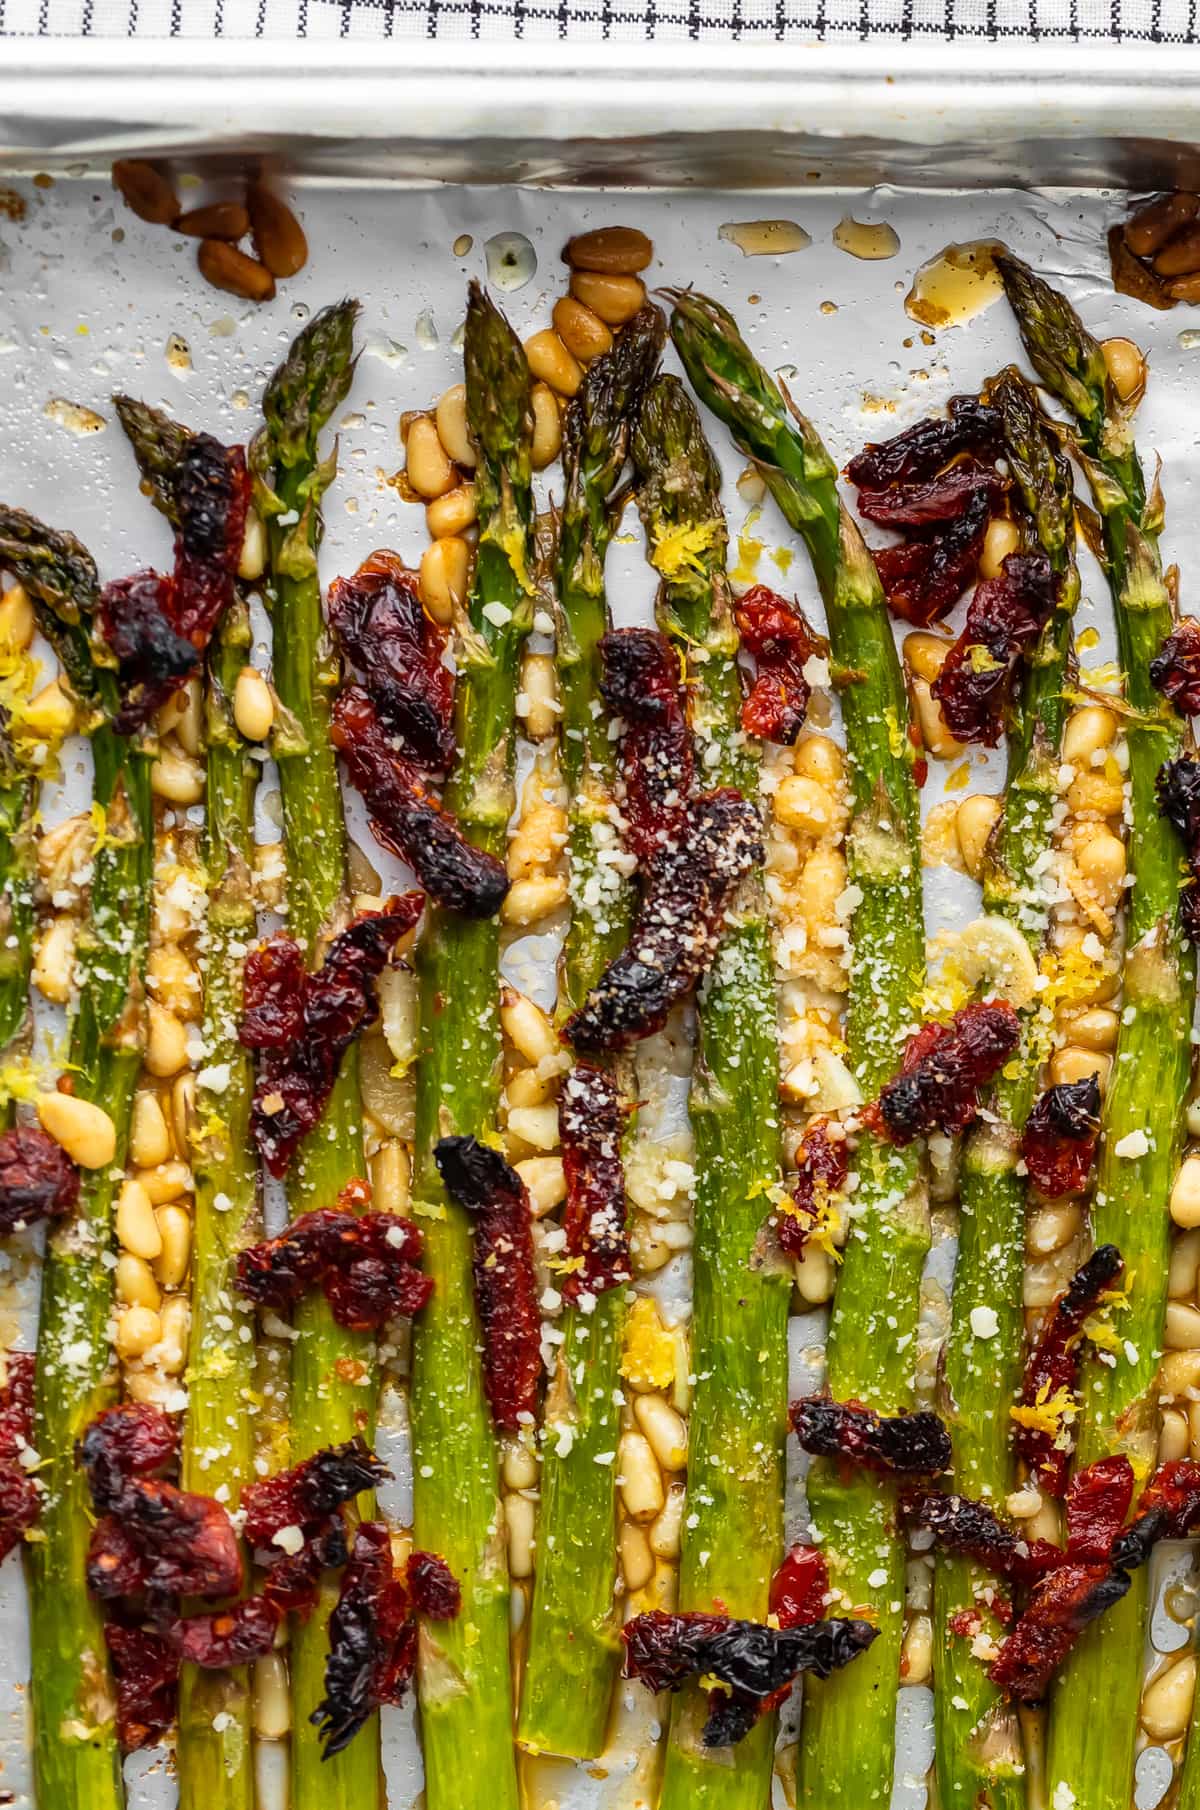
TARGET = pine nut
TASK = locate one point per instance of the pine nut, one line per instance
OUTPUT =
(219, 220)
(183, 1111)
(616, 299)
(227, 268)
(426, 466)
(613, 250)
(638, 1477)
(135, 1282)
(278, 236)
(391, 1177)
(1182, 1327)
(916, 1654)
(149, 1139)
(1101, 861)
(54, 963)
(539, 696)
(1167, 1703)
(137, 1228)
(583, 333)
(647, 1250)
(149, 1387)
(1179, 1373)
(453, 428)
(252, 561)
(1073, 1064)
(175, 1229)
(177, 779)
(529, 901)
(936, 738)
(451, 514)
(1052, 1227)
(666, 1529)
(1095, 794)
(1185, 289)
(174, 982)
(1172, 1436)
(805, 804)
(1185, 1193)
(1147, 231)
(974, 821)
(16, 620)
(664, 1591)
(84, 1130)
(925, 655)
(547, 426)
(535, 1125)
(1088, 730)
(550, 362)
(527, 1027)
(529, 1088)
(1185, 1262)
(138, 1328)
(816, 757)
(1095, 1028)
(146, 191)
(253, 705)
(520, 1463)
(272, 1698)
(820, 886)
(1180, 256)
(637, 1560)
(519, 1514)
(168, 1181)
(445, 573)
(664, 1429)
(1192, 1117)
(1126, 367)
(1193, 1419)
(176, 1323)
(50, 714)
(1045, 1279)
(815, 1276)
(545, 1183)
(166, 1042)
(1002, 538)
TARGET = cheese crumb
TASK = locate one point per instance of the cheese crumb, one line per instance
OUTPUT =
(1134, 1143)
(984, 1323)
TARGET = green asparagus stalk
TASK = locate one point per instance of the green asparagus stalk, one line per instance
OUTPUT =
(573, 1631)
(733, 1536)
(329, 1364)
(1146, 1097)
(214, 1744)
(463, 1670)
(77, 1762)
(978, 1741)
(848, 1733)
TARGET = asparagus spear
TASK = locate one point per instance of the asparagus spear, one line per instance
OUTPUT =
(978, 1745)
(329, 1403)
(573, 1638)
(77, 1762)
(463, 1672)
(848, 1735)
(1146, 1097)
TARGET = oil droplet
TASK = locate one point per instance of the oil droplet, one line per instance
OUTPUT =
(300, 311)
(1189, 339)
(829, 307)
(511, 261)
(74, 416)
(179, 353)
(462, 245)
(43, 181)
(425, 330)
(866, 239)
(240, 399)
(956, 285)
(765, 238)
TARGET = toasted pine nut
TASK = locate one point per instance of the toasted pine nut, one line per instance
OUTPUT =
(529, 1088)
(664, 1429)
(16, 620)
(1126, 368)
(166, 1042)
(166, 1182)
(1002, 538)
(807, 805)
(270, 876)
(616, 299)
(936, 738)
(1185, 1193)
(137, 1329)
(583, 333)
(539, 696)
(925, 655)
(454, 431)
(253, 705)
(149, 1139)
(177, 779)
(1073, 1064)
(519, 1515)
(183, 1111)
(1185, 1263)
(520, 1463)
(535, 1125)
(550, 361)
(1167, 1703)
(974, 821)
(451, 514)
(84, 1130)
(1148, 230)
(426, 465)
(816, 757)
(1053, 1226)
(227, 268)
(1101, 861)
(176, 1323)
(145, 190)
(666, 1529)
(219, 220)
(815, 1276)
(1095, 1028)
(637, 1560)
(529, 901)
(820, 886)
(137, 1228)
(638, 1477)
(445, 571)
(547, 426)
(1193, 1419)
(278, 236)
(1172, 1436)
(615, 250)
(1088, 730)
(1179, 1373)
(1094, 793)
(1182, 1328)
(1180, 256)
(135, 1282)
(527, 1027)
(252, 561)
(173, 981)
(175, 1228)
(54, 963)
(648, 1251)
(916, 1654)
(391, 1177)
(545, 1183)
(272, 1698)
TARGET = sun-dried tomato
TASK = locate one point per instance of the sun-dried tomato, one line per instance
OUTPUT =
(1059, 1139)
(752, 1661)
(372, 1641)
(921, 451)
(822, 1164)
(641, 686)
(121, 1443)
(901, 1445)
(186, 1541)
(406, 820)
(365, 1263)
(1053, 1365)
(153, 658)
(146, 1669)
(1004, 619)
(20, 1495)
(923, 579)
(591, 1120)
(687, 888)
(20, 1504)
(115, 1566)
(479, 1180)
(310, 1492)
(38, 1180)
(1175, 668)
(384, 632)
(972, 1530)
(436, 1592)
(782, 641)
(944, 1067)
(1169, 1509)
(233, 1636)
(293, 1583)
(1060, 1607)
(302, 1024)
(799, 1588)
(934, 500)
(1178, 787)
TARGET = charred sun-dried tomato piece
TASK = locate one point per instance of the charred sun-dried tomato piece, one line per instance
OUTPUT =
(233, 1636)
(591, 1119)
(309, 1493)
(296, 1072)
(38, 1180)
(1004, 619)
(293, 1584)
(902, 1445)
(186, 1541)
(1059, 1139)
(153, 658)
(972, 1530)
(406, 820)
(1175, 668)
(923, 450)
(1052, 1370)
(372, 1641)
(128, 1441)
(1169, 1509)
(931, 501)
(366, 1264)
(1178, 787)
(822, 1164)
(115, 1566)
(944, 1067)
(799, 1588)
(924, 579)
(641, 686)
(1060, 1607)
(20, 1504)
(688, 886)
(479, 1180)
(384, 632)
(1097, 1502)
(146, 1670)
(783, 642)
(435, 1591)
(16, 1402)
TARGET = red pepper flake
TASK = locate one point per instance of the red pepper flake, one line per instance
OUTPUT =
(1178, 788)
(822, 1164)
(308, 1494)
(366, 1264)
(38, 1180)
(1005, 617)
(302, 1024)
(146, 1670)
(899, 1445)
(20, 1496)
(478, 1179)
(1059, 1139)
(384, 632)
(641, 686)
(591, 1120)
(925, 449)
(782, 641)
(944, 1067)
(1052, 1367)
(973, 1530)
(688, 886)
(799, 1588)
(406, 820)
(1175, 669)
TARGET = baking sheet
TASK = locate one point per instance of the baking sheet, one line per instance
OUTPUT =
(92, 300)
